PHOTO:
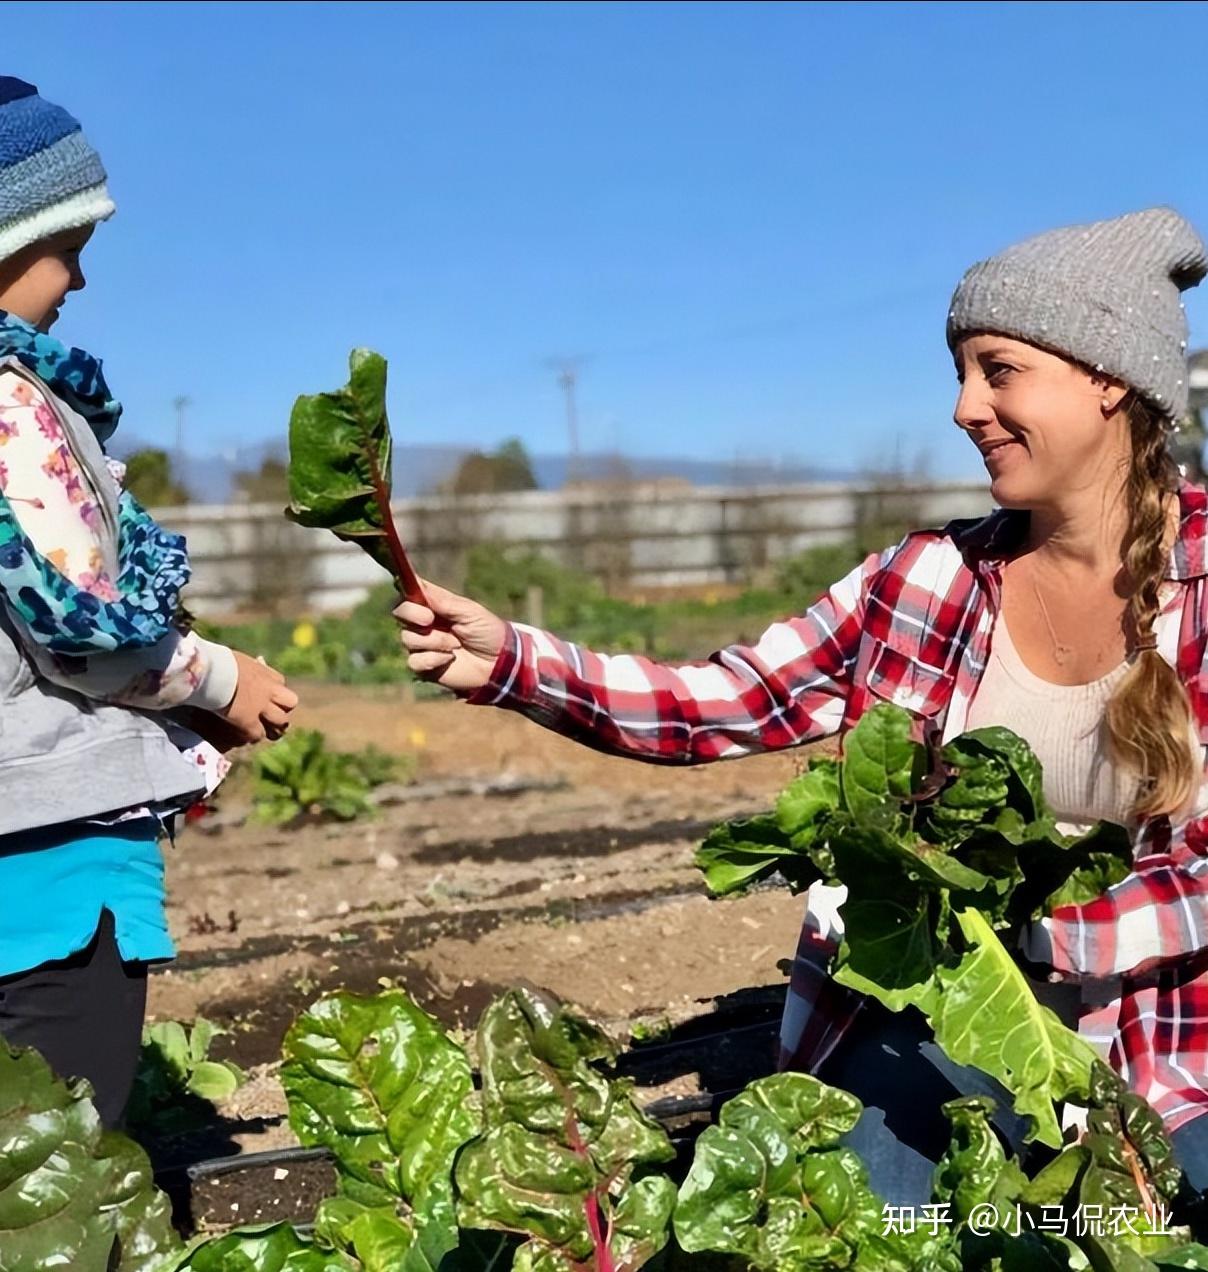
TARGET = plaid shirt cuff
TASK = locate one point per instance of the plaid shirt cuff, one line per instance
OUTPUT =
(499, 688)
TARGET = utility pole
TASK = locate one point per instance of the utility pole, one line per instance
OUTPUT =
(180, 403)
(568, 378)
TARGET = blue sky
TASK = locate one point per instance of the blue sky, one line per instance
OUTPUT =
(747, 217)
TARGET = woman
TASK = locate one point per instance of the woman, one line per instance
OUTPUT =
(91, 657)
(1076, 615)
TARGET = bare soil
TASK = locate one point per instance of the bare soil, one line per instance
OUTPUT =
(584, 887)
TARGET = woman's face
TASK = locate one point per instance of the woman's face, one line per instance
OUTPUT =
(35, 281)
(1046, 428)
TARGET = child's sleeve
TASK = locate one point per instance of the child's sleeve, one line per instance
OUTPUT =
(180, 670)
(56, 509)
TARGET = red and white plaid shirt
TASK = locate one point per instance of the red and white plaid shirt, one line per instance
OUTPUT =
(913, 626)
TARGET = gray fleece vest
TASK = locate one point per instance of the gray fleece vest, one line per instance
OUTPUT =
(63, 756)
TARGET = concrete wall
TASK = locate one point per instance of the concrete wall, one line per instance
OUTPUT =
(250, 557)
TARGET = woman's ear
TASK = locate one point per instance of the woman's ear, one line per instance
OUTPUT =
(1112, 394)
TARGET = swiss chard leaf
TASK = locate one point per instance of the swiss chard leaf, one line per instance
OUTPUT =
(1190, 1255)
(275, 1247)
(736, 854)
(1131, 1160)
(565, 1153)
(889, 941)
(1024, 777)
(339, 466)
(770, 1183)
(146, 1240)
(806, 802)
(70, 1194)
(379, 1083)
(880, 761)
(986, 1015)
(971, 1172)
(975, 795)
(901, 854)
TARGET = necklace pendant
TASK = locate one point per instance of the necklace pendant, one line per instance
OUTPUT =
(1061, 654)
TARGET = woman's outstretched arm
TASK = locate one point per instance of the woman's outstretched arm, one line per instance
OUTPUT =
(789, 687)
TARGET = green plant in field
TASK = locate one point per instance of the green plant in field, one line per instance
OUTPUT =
(72, 1194)
(655, 1030)
(299, 776)
(177, 1084)
(801, 579)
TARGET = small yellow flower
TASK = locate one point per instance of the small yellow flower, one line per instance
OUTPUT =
(418, 739)
(305, 635)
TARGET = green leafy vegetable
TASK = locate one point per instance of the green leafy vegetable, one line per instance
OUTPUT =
(565, 1155)
(268, 1248)
(339, 466)
(879, 762)
(562, 1173)
(737, 854)
(299, 776)
(142, 1215)
(69, 1193)
(177, 1084)
(378, 1082)
(934, 857)
(987, 1016)
(770, 1183)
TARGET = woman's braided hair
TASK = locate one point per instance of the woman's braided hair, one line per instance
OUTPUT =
(1149, 716)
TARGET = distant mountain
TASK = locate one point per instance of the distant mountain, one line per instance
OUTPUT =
(210, 477)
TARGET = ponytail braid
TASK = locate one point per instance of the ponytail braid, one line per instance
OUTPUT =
(1149, 715)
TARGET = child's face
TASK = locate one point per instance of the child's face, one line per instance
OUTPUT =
(36, 280)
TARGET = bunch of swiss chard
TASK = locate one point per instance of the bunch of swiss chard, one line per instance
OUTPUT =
(940, 850)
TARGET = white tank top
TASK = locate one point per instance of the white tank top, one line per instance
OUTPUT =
(1066, 727)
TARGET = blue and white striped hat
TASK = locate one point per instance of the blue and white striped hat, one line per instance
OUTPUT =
(51, 179)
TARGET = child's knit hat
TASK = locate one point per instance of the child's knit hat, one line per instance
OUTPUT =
(51, 179)
(1106, 295)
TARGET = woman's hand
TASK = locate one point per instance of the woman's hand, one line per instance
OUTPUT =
(452, 640)
(262, 704)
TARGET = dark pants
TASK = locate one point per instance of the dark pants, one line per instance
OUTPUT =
(890, 1062)
(85, 1015)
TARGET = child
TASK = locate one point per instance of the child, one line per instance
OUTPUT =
(92, 656)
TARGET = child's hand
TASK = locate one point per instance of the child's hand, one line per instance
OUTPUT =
(220, 733)
(262, 704)
(451, 640)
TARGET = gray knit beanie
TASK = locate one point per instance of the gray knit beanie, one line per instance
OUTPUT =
(1106, 295)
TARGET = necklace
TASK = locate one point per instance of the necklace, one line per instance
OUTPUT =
(1061, 653)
